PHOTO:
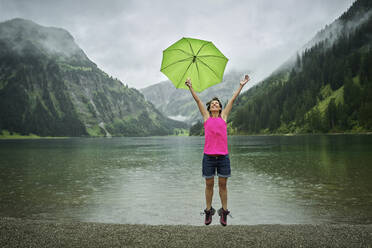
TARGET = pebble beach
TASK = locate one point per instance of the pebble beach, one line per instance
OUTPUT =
(40, 233)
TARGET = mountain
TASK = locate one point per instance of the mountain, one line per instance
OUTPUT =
(180, 105)
(346, 23)
(49, 87)
(326, 87)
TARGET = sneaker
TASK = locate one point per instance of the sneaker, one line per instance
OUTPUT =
(223, 216)
(208, 215)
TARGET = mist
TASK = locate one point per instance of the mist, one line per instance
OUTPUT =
(126, 38)
(333, 31)
(55, 41)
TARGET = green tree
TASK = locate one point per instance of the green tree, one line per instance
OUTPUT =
(197, 129)
(331, 114)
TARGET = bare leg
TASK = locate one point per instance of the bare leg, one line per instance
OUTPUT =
(222, 181)
(209, 184)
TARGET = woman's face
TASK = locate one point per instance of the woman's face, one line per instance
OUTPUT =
(215, 106)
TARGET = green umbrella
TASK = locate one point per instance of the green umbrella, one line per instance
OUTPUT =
(197, 59)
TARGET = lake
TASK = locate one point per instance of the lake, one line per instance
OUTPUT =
(157, 180)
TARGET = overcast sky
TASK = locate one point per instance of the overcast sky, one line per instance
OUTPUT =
(126, 38)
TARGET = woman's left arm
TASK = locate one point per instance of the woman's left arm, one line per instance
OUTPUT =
(226, 111)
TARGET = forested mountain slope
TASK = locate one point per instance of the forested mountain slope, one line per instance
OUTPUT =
(49, 87)
(327, 89)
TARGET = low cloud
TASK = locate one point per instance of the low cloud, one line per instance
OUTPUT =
(126, 38)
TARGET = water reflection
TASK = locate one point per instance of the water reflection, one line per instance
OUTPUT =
(157, 180)
(327, 176)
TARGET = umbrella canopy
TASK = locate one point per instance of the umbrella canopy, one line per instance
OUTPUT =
(197, 59)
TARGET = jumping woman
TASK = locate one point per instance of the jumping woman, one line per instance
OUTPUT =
(216, 155)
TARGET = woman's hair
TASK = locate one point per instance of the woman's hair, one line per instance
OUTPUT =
(214, 99)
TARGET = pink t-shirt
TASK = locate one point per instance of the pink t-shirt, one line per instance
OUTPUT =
(215, 130)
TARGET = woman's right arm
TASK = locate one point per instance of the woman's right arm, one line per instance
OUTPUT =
(201, 107)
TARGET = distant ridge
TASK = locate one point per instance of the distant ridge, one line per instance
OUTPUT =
(179, 104)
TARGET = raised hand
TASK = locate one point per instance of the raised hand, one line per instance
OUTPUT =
(245, 80)
(188, 83)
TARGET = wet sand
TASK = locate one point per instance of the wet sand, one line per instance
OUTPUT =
(35, 233)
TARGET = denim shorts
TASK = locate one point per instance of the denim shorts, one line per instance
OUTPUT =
(220, 163)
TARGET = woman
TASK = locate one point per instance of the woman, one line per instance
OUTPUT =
(216, 155)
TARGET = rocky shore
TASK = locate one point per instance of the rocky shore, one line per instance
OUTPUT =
(37, 233)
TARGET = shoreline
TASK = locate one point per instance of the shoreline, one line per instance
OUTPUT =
(15, 232)
(303, 134)
(35, 137)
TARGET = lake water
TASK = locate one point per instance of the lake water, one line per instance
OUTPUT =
(157, 180)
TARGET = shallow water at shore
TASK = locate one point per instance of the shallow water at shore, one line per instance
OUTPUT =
(157, 180)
